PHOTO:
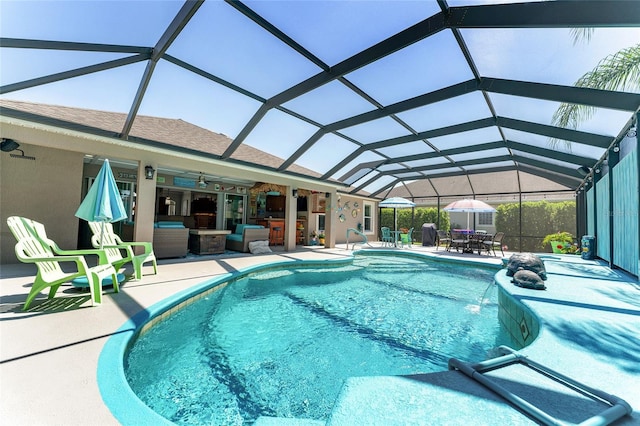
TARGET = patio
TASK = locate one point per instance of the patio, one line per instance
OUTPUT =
(49, 354)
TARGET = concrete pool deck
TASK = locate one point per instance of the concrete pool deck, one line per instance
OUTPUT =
(590, 331)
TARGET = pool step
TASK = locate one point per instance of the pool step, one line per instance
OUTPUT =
(510, 389)
(442, 398)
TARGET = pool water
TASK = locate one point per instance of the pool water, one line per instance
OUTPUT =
(281, 343)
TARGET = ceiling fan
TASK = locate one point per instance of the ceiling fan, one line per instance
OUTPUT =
(202, 182)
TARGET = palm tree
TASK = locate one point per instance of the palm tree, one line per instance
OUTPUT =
(619, 71)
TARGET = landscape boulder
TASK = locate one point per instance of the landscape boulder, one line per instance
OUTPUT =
(527, 262)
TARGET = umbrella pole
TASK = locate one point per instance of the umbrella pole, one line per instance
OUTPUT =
(101, 234)
(395, 219)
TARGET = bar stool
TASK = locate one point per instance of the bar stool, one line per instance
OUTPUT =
(278, 237)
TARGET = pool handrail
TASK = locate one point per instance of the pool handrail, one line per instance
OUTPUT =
(618, 409)
(364, 241)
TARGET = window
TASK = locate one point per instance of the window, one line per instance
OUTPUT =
(320, 222)
(485, 219)
(233, 211)
(368, 217)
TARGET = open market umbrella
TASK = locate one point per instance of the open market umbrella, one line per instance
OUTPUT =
(469, 206)
(103, 202)
(396, 203)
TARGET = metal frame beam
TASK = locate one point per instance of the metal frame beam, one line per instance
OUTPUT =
(52, 78)
(184, 15)
(417, 32)
(556, 14)
(22, 43)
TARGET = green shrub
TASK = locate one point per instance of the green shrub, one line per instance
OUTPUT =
(539, 218)
(420, 216)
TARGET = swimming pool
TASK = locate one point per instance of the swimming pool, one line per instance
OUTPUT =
(281, 342)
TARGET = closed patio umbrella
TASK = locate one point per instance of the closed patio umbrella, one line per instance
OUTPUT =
(469, 206)
(396, 203)
(103, 202)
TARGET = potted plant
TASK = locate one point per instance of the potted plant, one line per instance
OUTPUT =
(314, 238)
(321, 237)
(560, 241)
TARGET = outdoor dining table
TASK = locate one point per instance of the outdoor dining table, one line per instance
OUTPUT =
(471, 241)
(396, 237)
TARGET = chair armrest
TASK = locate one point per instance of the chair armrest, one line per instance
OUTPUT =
(102, 255)
(148, 247)
(23, 255)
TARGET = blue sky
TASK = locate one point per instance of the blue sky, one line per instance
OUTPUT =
(225, 43)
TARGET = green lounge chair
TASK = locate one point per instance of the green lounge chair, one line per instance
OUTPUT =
(120, 252)
(33, 246)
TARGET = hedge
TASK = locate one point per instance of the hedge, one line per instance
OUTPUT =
(539, 218)
(421, 215)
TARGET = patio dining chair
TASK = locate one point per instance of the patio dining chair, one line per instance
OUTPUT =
(459, 241)
(490, 244)
(406, 238)
(33, 246)
(120, 252)
(443, 238)
(386, 238)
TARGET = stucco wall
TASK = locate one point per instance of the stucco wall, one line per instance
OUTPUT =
(345, 207)
(47, 190)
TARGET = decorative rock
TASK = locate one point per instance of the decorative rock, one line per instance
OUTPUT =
(528, 279)
(526, 261)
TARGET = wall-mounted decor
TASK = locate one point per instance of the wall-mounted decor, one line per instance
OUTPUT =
(354, 213)
(342, 218)
(319, 203)
(216, 187)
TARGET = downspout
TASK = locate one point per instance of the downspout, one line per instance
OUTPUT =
(519, 210)
(638, 177)
(612, 160)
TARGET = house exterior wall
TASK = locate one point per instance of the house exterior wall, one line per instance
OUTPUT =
(47, 190)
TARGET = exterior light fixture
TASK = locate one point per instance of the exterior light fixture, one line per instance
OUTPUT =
(8, 145)
(616, 148)
(294, 192)
(327, 194)
(202, 183)
(148, 172)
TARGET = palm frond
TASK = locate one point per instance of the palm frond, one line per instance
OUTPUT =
(617, 72)
(581, 34)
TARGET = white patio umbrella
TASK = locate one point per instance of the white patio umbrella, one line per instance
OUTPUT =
(396, 203)
(469, 206)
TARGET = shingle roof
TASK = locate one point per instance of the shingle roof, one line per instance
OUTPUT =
(166, 131)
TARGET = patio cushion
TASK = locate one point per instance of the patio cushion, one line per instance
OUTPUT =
(168, 224)
(242, 226)
(83, 282)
